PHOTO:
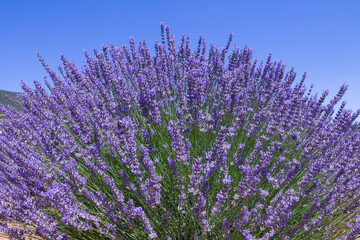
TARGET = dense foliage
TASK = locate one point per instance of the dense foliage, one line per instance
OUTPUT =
(179, 145)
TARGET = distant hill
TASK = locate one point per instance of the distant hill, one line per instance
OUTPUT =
(10, 98)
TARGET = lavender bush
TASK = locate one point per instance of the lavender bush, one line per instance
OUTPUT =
(179, 145)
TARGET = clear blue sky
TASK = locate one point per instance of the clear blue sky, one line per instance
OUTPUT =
(319, 37)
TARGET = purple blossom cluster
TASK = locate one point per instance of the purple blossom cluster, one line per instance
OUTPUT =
(178, 145)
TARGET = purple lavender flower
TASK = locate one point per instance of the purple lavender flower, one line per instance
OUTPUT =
(226, 229)
(178, 144)
(195, 177)
(222, 196)
(113, 149)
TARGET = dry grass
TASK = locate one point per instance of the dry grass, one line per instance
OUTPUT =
(4, 236)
